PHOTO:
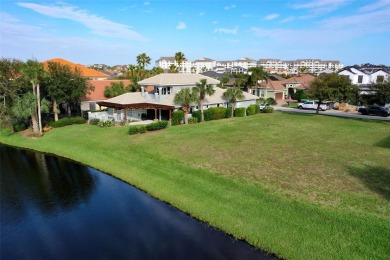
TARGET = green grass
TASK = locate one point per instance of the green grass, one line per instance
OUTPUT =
(298, 185)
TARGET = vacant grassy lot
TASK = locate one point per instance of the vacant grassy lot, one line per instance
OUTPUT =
(299, 185)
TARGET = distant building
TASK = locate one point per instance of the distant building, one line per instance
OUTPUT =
(293, 66)
(166, 62)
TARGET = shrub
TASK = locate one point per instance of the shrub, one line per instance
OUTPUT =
(94, 121)
(228, 112)
(133, 130)
(142, 129)
(268, 110)
(123, 122)
(271, 101)
(68, 121)
(217, 112)
(192, 120)
(197, 114)
(157, 125)
(19, 127)
(208, 114)
(239, 112)
(251, 110)
(107, 123)
(177, 117)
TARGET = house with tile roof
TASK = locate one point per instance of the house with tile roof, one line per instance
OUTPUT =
(156, 99)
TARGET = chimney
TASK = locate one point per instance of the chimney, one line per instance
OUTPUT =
(143, 91)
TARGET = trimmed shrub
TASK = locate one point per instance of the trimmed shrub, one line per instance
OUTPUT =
(157, 125)
(228, 112)
(68, 121)
(208, 115)
(251, 110)
(239, 112)
(142, 129)
(217, 112)
(271, 101)
(107, 123)
(197, 114)
(177, 117)
(133, 130)
(192, 120)
(268, 110)
(123, 123)
(94, 121)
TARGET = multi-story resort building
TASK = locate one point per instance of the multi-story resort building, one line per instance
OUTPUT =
(243, 64)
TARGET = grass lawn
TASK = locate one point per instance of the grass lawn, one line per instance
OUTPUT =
(301, 186)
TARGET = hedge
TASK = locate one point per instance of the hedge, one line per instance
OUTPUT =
(197, 114)
(228, 112)
(157, 125)
(268, 110)
(240, 112)
(94, 121)
(192, 120)
(68, 121)
(252, 110)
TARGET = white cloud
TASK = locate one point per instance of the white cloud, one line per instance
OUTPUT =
(321, 6)
(288, 19)
(271, 17)
(227, 31)
(230, 7)
(181, 26)
(98, 25)
(375, 6)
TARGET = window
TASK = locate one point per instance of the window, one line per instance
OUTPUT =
(360, 79)
(380, 79)
(166, 91)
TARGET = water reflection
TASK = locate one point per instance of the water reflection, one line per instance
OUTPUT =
(52, 208)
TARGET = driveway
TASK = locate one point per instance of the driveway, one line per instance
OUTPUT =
(331, 113)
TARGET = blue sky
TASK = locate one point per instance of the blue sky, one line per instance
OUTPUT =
(115, 32)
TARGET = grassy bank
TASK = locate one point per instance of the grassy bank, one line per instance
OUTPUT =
(298, 185)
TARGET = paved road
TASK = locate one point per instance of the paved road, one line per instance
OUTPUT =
(332, 113)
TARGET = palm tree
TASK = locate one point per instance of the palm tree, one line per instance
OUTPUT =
(232, 95)
(33, 71)
(173, 69)
(131, 70)
(179, 58)
(258, 74)
(222, 81)
(184, 98)
(143, 60)
(201, 90)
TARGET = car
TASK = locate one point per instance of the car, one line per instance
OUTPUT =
(262, 106)
(374, 110)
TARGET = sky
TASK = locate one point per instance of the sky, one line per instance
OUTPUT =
(114, 32)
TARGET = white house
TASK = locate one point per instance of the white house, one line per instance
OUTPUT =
(166, 62)
(203, 65)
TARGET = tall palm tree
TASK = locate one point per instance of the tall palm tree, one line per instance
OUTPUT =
(201, 90)
(34, 71)
(184, 98)
(179, 58)
(143, 60)
(173, 69)
(233, 94)
(131, 70)
(258, 74)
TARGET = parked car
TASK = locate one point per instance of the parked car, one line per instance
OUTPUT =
(374, 110)
(311, 105)
(262, 106)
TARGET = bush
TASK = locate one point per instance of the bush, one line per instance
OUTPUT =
(133, 130)
(197, 114)
(157, 125)
(251, 110)
(268, 110)
(123, 123)
(228, 112)
(107, 123)
(192, 120)
(19, 127)
(94, 121)
(217, 112)
(271, 101)
(177, 117)
(239, 112)
(208, 115)
(142, 129)
(68, 121)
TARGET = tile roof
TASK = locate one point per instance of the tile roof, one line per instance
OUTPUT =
(100, 85)
(85, 72)
(176, 79)
(304, 80)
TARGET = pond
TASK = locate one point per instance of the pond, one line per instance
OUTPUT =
(53, 208)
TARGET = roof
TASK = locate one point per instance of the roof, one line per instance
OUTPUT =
(136, 98)
(304, 80)
(176, 79)
(100, 85)
(84, 71)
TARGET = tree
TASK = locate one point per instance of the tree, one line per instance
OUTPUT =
(233, 94)
(222, 81)
(34, 72)
(10, 87)
(115, 89)
(302, 70)
(331, 86)
(257, 74)
(299, 95)
(179, 58)
(143, 60)
(173, 69)
(381, 92)
(184, 98)
(131, 70)
(201, 90)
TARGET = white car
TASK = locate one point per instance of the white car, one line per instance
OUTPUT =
(263, 105)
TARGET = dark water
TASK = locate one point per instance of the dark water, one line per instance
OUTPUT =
(52, 208)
